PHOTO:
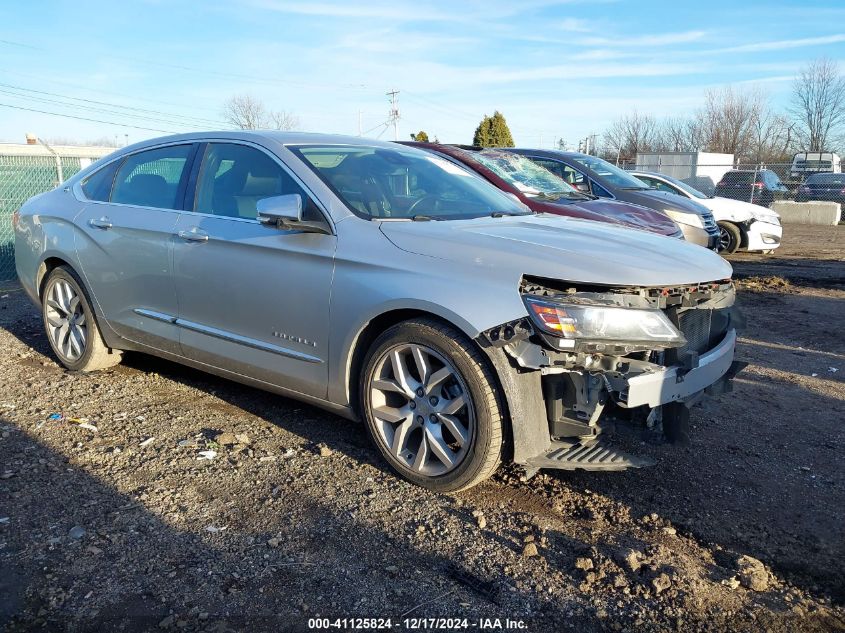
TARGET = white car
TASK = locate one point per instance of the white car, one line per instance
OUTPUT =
(742, 225)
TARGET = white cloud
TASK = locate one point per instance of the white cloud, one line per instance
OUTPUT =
(778, 45)
(575, 25)
(663, 39)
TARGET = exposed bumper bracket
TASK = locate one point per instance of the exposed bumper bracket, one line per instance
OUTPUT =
(591, 455)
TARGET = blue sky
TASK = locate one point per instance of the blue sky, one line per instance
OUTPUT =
(554, 68)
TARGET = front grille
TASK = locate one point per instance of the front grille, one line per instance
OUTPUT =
(695, 326)
(702, 328)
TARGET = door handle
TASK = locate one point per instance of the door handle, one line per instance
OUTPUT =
(194, 235)
(101, 223)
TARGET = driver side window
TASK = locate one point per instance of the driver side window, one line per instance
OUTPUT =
(233, 178)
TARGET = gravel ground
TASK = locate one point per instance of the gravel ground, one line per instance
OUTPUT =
(128, 528)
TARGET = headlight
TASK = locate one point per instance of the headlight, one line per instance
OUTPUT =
(681, 217)
(632, 328)
(764, 216)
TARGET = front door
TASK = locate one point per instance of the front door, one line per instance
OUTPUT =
(252, 299)
(126, 243)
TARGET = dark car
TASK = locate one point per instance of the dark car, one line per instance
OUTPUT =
(592, 175)
(544, 192)
(827, 187)
(760, 186)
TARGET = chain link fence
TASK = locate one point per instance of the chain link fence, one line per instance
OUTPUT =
(26, 171)
(757, 183)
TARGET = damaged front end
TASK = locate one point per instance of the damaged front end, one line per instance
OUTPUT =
(607, 358)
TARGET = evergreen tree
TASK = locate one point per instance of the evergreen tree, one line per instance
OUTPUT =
(493, 131)
(500, 131)
(481, 138)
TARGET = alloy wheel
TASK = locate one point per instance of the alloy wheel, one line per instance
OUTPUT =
(724, 239)
(422, 408)
(66, 320)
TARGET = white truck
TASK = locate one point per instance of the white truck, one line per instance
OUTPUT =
(806, 163)
(701, 170)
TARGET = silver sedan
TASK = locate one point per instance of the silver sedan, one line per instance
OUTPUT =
(383, 283)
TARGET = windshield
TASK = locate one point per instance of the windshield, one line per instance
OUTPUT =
(524, 174)
(404, 183)
(680, 184)
(611, 174)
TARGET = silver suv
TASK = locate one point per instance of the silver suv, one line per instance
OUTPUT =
(384, 283)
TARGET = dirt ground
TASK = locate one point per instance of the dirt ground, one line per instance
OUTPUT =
(127, 528)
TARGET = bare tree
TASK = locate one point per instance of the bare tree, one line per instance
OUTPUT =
(818, 104)
(282, 120)
(630, 134)
(677, 134)
(772, 138)
(728, 118)
(248, 113)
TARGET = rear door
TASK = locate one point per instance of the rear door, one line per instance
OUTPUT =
(125, 242)
(252, 299)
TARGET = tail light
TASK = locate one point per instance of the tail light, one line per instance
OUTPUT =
(758, 185)
(16, 219)
(721, 183)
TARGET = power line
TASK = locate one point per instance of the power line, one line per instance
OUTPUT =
(77, 86)
(79, 118)
(107, 111)
(113, 105)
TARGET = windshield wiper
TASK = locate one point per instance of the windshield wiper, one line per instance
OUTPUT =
(421, 218)
(636, 188)
(501, 214)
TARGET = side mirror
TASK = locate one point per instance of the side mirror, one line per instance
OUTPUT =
(285, 212)
(583, 187)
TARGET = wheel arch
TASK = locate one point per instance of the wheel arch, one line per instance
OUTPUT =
(53, 261)
(389, 318)
(364, 340)
(47, 265)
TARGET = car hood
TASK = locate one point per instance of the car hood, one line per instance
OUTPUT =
(633, 215)
(562, 248)
(738, 210)
(663, 200)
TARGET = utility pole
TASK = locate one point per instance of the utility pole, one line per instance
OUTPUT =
(393, 116)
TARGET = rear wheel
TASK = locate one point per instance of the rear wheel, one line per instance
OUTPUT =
(431, 406)
(71, 326)
(729, 238)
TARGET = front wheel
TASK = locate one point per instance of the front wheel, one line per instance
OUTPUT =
(729, 238)
(431, 406)
(71, 326)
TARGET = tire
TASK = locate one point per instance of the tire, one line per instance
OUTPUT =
(729, 238)
(65, 304)
(444, 420)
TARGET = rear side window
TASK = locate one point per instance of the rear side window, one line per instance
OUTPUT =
(151, 178)
(738, 177)
(98, 185)
(235, 177)
(772, 179)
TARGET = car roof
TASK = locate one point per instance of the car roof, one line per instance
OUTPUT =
(281, 137)
(656, 174)
(547, 152)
